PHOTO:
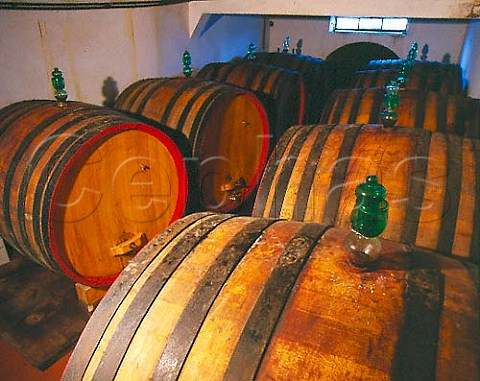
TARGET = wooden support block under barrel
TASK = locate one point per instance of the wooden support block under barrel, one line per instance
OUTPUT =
(4, 257)
(432, 181)
(89, 297)
(77, 180)
(418, 109)
(222, 297)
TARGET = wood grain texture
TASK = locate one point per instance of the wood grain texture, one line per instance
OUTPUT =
(271, 168)
(180, 340)
(120, 290)
(438, 76)
(231, 312)
(433, 111)
(431, 182)
(227, 128)
(318, 76)
(286, 87)
(262, 299)
(420, 78)
(68, 170)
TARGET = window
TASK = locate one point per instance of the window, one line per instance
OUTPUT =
(386, 25)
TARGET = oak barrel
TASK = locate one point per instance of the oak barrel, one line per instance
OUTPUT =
(432, 181)
(449, 69)
(285, 87)
(82, 188)
(299, 62)
(429, 75)
(456, 114)
(318, 77)
(420, 78)
(218, 297)
(227, 128)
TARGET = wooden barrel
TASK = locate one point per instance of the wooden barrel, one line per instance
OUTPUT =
(218, 297)
(318, 77)
(432, 182)
(418, 109)
(286, 87)
(444, 77)
(395, 64)
(299, 62)
(420, 78)
(226, 126)
(82, 188)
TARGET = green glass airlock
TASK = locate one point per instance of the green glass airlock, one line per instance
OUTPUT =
(58, 84)
(368, 220)
(412, 53)
(286, 45)
(186, 62)
(406, 66)
(370, 214)
(252, 52)
(391, 101)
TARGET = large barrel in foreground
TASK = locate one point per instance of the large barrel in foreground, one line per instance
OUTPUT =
(432, 181)
(218, 297)
(82, 188)
(418, 109)
(285, 87)
(227, 128)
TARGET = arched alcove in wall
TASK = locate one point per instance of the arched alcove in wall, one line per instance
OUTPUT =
(352, 57)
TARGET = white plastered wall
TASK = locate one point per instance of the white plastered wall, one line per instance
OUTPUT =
(442, 36)
(90, 46)
(470, 59)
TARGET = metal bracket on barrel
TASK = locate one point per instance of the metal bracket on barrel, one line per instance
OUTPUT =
(235, 188)
(129, 246)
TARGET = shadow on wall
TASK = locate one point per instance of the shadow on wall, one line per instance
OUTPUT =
(110, 92)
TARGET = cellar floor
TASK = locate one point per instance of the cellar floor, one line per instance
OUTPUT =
(14, 367)
(40, 321)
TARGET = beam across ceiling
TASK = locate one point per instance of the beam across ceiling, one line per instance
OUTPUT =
(434, 9)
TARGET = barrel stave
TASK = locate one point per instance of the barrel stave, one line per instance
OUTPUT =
(206, 113)
(21, 171)
(61, 163)
(433, 111)
(431, 180)
(420, 78)
(286, 88)
(255, 298)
